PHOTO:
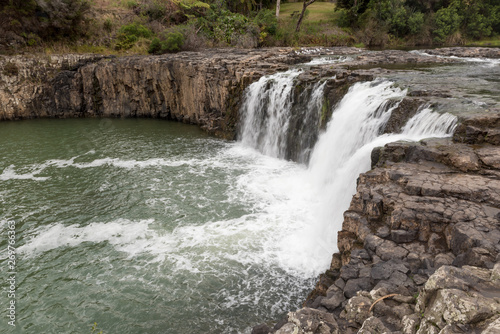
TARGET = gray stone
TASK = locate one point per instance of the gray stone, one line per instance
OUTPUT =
(459, 296)
(410, 323)
(389, 250)
(349, 271)
(356, 310)
(402, 236)
(288, 328)
(313, 321)
(357, 284)
(373, 325)
(334, 301)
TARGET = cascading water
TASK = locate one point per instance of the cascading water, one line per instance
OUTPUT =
(267, 113)
(277, 122)
(340, 155)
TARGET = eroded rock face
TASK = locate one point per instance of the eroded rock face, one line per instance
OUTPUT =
(420, 243)
(201, 88)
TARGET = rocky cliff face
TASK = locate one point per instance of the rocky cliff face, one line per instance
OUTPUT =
(420, 243)
(192, 87)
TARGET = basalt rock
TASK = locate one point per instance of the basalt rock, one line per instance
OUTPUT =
(201, 88)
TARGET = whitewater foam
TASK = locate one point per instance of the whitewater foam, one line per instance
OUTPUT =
(315, 207)
(488, 62)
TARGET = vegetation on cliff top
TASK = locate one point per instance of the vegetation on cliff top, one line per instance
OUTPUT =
(159, 26)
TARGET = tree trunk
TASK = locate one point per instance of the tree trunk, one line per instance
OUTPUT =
(278, 3)
(299, 22)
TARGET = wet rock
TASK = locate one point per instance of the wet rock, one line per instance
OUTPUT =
(313, 321)
(405, 110)
(333, 301)
(465, 52)
(261, 329)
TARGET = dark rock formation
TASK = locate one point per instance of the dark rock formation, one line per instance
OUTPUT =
(201, 88)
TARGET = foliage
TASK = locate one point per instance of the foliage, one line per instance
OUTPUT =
(406, 18)
(45, 20)
(171, 42)
(129, 34)
(192, 8)
(194, 24)
(267, 22)
(447, 21)
(226, 27)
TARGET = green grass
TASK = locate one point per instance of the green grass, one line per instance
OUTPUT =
(319, 27)
(318, 11)
(491, 42)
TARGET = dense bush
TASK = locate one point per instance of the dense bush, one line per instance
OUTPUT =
(129, 34)
(171, 42)
(447, 22)
(45, 20)
(406, 18)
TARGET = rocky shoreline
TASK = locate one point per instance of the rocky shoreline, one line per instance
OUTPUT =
(420, 243)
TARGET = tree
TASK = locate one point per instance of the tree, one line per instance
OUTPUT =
(299, 22)
(278, 3)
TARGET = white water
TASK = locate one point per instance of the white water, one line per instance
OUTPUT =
(267, 113)
(329, 60)
(340, 155)
(488, 62)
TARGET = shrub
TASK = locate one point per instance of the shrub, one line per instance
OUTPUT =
(129, 34)
(415, 23)
(267, 22)
(398, 21)
(346, 19)
(172, 42)
(155, 46)
(447, 21)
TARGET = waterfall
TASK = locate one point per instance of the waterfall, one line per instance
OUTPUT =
(267, 113)
(276, 122)
(341, 153)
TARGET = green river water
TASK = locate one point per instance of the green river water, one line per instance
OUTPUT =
(143, 226)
